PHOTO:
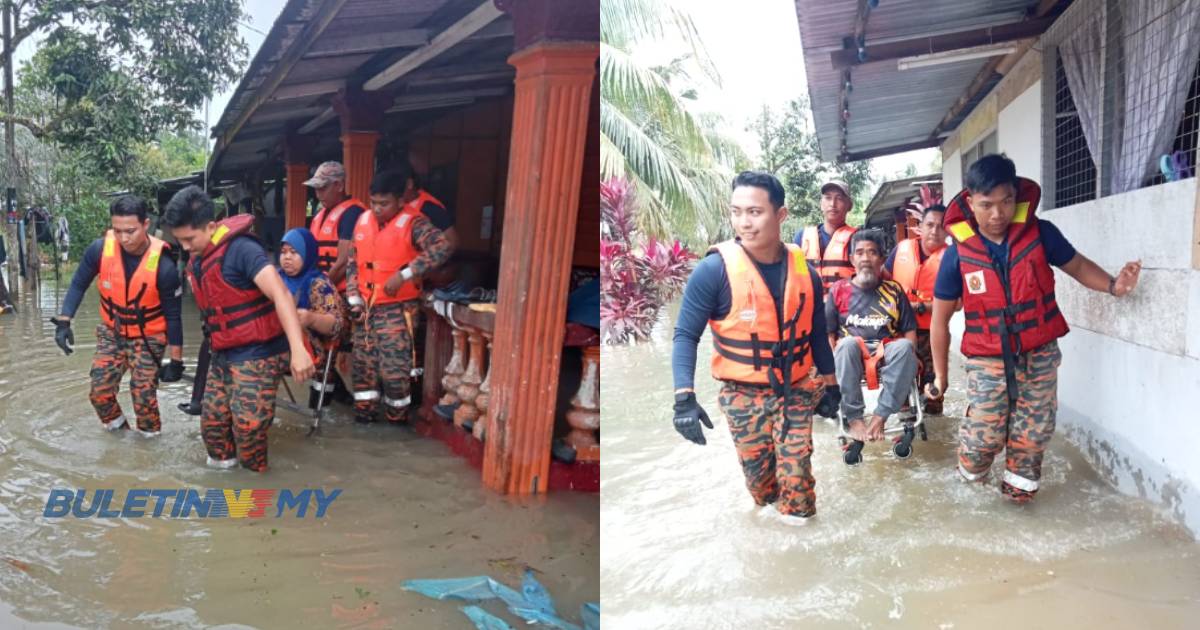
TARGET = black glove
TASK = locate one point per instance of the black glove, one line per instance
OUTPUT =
(171, 372)
(830, 401)
(63, 336)
(688, 416)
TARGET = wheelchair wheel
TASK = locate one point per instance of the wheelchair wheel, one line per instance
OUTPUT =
(902, 448)
(853, 454)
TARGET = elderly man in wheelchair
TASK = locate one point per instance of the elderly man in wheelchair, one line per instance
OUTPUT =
(873, 331)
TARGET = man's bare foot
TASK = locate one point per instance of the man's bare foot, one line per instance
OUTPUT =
(875, 428)
(858, 430)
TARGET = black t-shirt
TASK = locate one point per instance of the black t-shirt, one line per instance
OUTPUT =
(440, 217)
(873, 315)
(345, 228)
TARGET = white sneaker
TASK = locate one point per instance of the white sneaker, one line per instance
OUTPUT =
(114, 425)
(148, 434)
(221, 463)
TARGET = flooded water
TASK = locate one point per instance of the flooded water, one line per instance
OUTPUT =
(409, 509)
(895, 543)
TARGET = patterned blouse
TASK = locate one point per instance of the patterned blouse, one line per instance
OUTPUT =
(323, 299)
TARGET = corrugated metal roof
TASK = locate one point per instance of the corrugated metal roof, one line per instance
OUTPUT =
(354, 45)
(889, 107)
(893, 193)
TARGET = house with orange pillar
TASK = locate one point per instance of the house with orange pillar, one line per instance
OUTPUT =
(495, 104)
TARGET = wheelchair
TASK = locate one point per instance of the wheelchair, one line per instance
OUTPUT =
(907, 423)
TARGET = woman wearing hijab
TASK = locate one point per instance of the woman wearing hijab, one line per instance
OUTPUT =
(321, 310)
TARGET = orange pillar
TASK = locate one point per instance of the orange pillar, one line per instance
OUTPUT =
(296, 197)
(297, 150)
(361, 117)
(550, 119)
(358, 156)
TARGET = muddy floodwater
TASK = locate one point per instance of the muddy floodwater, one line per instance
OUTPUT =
(409, 509)
(894, 544)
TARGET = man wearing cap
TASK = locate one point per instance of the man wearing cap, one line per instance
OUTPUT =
(827, 245)
(334, 223)
(333, 227)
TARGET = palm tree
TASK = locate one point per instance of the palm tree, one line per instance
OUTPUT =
(678, 159)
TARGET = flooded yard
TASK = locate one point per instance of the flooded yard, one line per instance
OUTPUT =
(895, 543)
(408, 509)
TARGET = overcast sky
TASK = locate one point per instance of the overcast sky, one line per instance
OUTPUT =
(260, 16)
(755, 45)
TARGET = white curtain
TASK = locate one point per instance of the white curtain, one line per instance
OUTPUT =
(1082, 54)
(1161, 40)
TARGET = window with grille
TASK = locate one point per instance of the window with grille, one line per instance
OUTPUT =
(1188, 131)
(988, 145)
(1074, 168)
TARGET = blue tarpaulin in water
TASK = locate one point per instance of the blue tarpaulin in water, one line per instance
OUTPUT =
(485, 620)
(533, 603)
(591, 616)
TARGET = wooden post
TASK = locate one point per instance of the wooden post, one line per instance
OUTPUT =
(296, 199)
(550, 119)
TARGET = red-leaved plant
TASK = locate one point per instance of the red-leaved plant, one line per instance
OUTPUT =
(915, 208)
(637, 275)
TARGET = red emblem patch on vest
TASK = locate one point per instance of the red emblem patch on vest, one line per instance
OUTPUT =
(975, 283)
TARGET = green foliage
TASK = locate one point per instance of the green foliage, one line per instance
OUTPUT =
(110, 75)
(677, 158)
(788, 149)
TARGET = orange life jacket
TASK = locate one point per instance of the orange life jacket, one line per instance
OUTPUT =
(915, 276)
(835, 264)
(380, 252)
(420, 199)
(132, 309)
(325, 228)
(750, 345)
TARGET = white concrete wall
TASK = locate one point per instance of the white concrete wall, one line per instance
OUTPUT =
(951, 175)
(1019, 132)
(1131, 367)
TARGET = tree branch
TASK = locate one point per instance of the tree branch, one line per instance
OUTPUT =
(38, 131)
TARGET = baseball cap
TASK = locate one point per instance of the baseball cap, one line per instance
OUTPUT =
(839, 184)
(325, 173)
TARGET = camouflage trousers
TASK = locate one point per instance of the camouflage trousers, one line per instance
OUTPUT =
(1022, 431)
(924, 357)
(383, 355)
(115, 356)
(239, 405)
(777, 465)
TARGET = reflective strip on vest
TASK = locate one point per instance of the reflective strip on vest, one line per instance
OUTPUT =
(748, 345)
(381, 252)
(834, 264)
(133, 308)
(367, 395)
(324, 229)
